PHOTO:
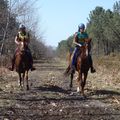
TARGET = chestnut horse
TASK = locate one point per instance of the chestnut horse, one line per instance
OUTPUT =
(22, 64)
(82, 67)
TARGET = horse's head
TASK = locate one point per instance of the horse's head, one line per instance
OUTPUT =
(22, 46)
(85, 48)
(84, 51)
(88, 40)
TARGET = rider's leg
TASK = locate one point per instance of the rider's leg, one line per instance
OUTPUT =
(74, 59)
(13, 60)
(91, 64)
(31, 60)
(90, 59)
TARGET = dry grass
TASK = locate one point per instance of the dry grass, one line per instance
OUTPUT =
(5, 60)
(108, 72)
(110, 62)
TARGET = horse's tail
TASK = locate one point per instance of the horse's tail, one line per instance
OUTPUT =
(69, 59)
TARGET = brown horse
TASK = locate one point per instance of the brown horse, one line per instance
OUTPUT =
(82, 67)
(22, 64)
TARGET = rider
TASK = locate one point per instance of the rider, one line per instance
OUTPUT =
(79, 40)
(22, 35)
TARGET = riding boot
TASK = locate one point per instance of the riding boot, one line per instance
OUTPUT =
(31, 65)
(31, 59)
(13, 63)
(93, 70)
(74, 60)
(91, 65)
(33, 68)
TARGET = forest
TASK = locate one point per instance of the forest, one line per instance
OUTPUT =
(103, 27)
(12, 14)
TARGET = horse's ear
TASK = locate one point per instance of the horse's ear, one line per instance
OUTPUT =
(90, 39)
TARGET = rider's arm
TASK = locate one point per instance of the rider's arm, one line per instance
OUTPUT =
(16, 40)
(75, 41)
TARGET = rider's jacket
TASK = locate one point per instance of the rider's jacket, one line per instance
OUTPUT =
(23, 36)
(81, 37)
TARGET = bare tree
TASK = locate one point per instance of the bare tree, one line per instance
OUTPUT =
(7, 14)
(22, 11)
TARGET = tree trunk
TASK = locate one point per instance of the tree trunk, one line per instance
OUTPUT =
(4, 36)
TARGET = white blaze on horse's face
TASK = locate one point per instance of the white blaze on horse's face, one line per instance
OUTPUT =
(22, 46)
(87, 50)
(22, 43)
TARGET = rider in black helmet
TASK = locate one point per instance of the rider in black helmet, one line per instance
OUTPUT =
(22, 35)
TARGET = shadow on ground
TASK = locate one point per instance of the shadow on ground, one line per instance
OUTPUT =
(52, 88)
(102, 94)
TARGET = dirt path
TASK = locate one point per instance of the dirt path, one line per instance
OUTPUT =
(49, 98)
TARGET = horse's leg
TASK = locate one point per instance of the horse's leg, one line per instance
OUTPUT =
(71, 80)
(83, 82)
(27, 85)
(23, 78)
(20, 79)
(79, 79)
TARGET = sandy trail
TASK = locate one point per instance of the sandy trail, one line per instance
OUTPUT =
(49, 98)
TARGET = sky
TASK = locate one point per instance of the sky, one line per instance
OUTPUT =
(59, 19)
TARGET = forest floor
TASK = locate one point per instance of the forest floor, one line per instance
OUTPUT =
(49, 97)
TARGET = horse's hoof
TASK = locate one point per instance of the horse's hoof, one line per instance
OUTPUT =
(28, 87)
(72, 93)
(83, 97)
(19, 86)
(69, 89)
(70, 86)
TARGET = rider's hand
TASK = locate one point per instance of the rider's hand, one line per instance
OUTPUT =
(80, 45)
